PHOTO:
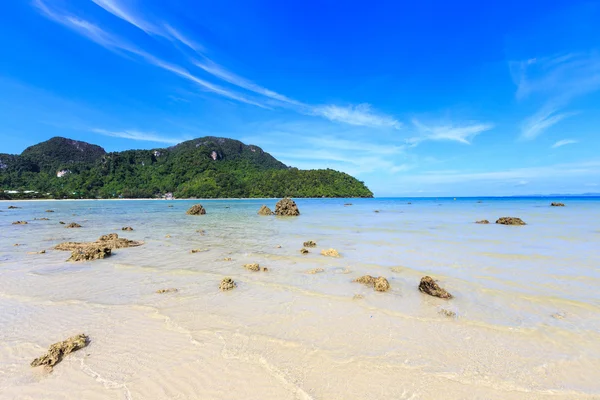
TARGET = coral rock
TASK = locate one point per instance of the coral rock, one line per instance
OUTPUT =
(227, 284)
(380, 284)
(264, 210)
(510, 221)
(315, 271)
(310, 243)
(92, 252)
(330, 253)
(59, 350)
(169, 290)
(430, 287)
(196, 209)
(252, 267)
(287, 207)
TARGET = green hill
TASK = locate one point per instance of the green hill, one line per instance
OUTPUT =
(208, 167)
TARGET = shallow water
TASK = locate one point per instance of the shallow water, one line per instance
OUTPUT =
(527, 304)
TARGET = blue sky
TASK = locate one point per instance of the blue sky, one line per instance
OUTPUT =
(415, 98)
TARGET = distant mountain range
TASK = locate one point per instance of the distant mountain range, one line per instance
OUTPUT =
(208, 167)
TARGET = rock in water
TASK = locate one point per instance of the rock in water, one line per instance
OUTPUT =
(13, 207)
(310, 243)
(20, 223)
(126, 228)
(73, 225)
(252, 267)
(380, 284)
(330, 253)
(169, 290)
(49, 210)
(112, 241)
(483, 221)
(430, 287)
(554, 204)
(510, 221)
(304, 251)
(264, 210)
(59, 350)
(287, 207)
(366, 280)
(196, 209)
(92, 252)
(227, 284)
(315, 271)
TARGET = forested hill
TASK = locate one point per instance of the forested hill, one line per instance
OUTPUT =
(206, 167)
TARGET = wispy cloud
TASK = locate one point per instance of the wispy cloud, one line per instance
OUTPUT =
(463, 133)
(141, 136)
(121, 47)
(557, 80)
(564, 142)
(120, 10)
(221, 73)
(360, 115)
(545, 118)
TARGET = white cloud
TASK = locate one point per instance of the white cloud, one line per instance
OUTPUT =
(119, 46)
(221, 73)
(545, 118)
(463, 133)
(141, 136)
(558, 81)
(564, 142)
(360, 115)
(119, 10)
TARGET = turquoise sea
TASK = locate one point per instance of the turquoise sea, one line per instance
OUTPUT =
(527, 304)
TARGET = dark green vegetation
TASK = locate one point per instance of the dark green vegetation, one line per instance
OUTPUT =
(207, 167)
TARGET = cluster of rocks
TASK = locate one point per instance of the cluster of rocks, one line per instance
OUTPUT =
(310, 243)
(196, 209)
(101, 248)
(59, 350)
(504, 221)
